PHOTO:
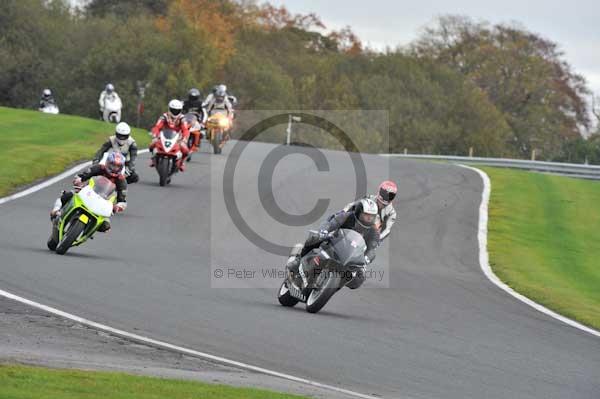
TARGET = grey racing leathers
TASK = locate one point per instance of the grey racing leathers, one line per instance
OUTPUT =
(211, 104)
(342, 220)
(386, 217)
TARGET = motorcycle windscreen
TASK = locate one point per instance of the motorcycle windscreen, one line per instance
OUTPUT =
(113, 104)
(169, 134)
(103, 186)
(50, 109)
(350, 247)
(220, 111)
(96, 196)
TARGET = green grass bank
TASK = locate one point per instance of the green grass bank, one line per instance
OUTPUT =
(21, 382)
(37, 145)
(544, 240)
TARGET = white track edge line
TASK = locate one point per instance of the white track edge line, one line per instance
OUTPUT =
(485, 264)
(180, 349)
(140, 338)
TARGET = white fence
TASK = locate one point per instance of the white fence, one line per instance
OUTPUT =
(565, 169)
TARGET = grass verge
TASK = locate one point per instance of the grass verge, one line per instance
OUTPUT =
(37, 145)
(544, 240)
(20, 382)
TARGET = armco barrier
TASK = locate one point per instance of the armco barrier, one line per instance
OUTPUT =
(565, 169)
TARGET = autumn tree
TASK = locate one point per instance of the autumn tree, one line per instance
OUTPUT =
(523, 74)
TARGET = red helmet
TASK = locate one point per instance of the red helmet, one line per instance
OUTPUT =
(115, 162)
(387, 192)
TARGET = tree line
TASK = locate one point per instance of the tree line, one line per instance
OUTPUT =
(499, 90)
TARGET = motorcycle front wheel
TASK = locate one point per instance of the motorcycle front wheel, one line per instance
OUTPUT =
(216, 142)
(326, 285)
(73, 232)
(162, 167)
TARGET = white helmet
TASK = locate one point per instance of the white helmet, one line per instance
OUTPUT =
(46, 93)
(122, 132)
(366, 212)
(175, 108)
(110, 88)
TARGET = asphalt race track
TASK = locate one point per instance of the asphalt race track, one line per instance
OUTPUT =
(440, 330)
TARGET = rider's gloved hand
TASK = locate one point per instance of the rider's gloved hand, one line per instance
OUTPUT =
(77, 184)
(119, 207)
(323, 234)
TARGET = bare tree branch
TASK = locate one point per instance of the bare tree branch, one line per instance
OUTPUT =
(595, 107)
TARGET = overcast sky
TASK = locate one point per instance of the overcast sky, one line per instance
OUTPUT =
(574, 25)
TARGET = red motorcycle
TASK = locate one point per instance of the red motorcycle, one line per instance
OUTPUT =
(167, 155)
(194, 123)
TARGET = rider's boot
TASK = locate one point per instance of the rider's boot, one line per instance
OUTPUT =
(104, 227)
(151, 149)
(358, 280)
(293, 262)
(55, 212)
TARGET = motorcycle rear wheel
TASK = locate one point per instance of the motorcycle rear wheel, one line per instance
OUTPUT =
(284, 296)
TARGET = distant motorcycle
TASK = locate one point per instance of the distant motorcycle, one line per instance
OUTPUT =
(217, 127)
(194, 123)
(112, 109)
(83, 215)
(166, 154)
(324, 270)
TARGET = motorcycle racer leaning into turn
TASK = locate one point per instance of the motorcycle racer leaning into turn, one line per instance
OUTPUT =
(123, 143)
(173, 119)
(386, 214)
(113, 170)
(362, 220)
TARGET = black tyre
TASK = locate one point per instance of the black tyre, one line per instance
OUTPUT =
(73, 232)
(284, 297)
(216, 142)
(53, 239)
(189, 145)
(162, 167)
(52, 244)
(327, 285)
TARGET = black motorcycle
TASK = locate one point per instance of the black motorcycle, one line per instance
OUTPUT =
(324, 270)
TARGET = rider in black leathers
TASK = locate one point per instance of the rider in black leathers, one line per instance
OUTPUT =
(357, 220)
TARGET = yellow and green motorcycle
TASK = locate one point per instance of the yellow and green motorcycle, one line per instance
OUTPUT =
(82, 216)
